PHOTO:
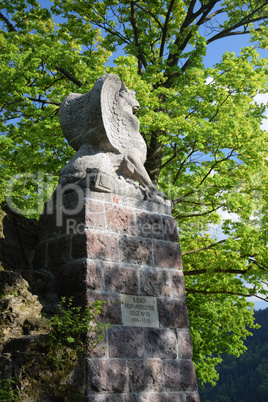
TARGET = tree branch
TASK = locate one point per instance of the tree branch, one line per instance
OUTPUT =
(212, 15)
(203, 248)
(42, 101)
(169, 161)
(260, 266)
(104, 25)
(215, 292)
(190, 16)
(133, 21)
(226, 35)
(175, 155)
(151, 14)
(244, 21)
(182, 164)
(261, 298)
(195, 272)
(205, 11)
(165, 29)
(215, 164)
(10, 26)
(189, 19)
(177, 216)
(68, 75)
(218, 108)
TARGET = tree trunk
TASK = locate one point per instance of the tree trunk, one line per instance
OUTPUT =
(154, 157)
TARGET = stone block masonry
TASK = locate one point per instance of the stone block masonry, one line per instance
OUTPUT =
(129, 256)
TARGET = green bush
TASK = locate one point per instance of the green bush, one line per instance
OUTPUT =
(76, 328)
(8, 390)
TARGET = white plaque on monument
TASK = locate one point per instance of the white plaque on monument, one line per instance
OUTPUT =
(139, 311)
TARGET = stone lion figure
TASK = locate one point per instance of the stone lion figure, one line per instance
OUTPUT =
(101, 127)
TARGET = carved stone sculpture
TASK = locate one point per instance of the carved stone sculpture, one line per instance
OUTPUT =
(101, 127)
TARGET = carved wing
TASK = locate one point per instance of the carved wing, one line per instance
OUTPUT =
(121, 126)
(81, 119)
(100, 119)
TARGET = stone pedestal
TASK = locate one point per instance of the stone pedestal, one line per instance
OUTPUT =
(126, 253)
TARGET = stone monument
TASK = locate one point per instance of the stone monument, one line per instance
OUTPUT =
(101, 127)
(108, 234)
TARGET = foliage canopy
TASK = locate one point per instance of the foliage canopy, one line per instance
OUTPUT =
(206, 147)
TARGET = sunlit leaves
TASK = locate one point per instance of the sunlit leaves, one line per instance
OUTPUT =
(34, 58)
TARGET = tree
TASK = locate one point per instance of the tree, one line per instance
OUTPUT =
(206, 148)
(246, 378)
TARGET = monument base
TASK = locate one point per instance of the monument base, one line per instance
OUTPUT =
(98, 248)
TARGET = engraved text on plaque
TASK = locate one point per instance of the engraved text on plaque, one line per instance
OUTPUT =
(139, 311)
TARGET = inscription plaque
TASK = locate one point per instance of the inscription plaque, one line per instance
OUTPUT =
(139, 311)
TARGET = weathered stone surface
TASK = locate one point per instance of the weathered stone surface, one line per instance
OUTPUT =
(19, 240)
(177, 284)
(42, 283)
(117, 398)
(120, 219)
(120, 279)
(101, 349)
(95, 216)
(134, 254)
(58, 252)
(88, 214)
(185, 347)
(111, 308)
(192, 398)
(95, 398)
(95, 245)
(134, 250)
(107, 375)
(160, 343)
(167, 397)
(154, 282)
(79, 247)
(172, 314)
(125, 398)
(179, 375)
(125, 342)
(142, 397)
(17, 318)
(149, 225)
(170, 229)
(167, 255)
(78, 276)
(40, 257)
(49, 227)
(128, 254)
(145, 375)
